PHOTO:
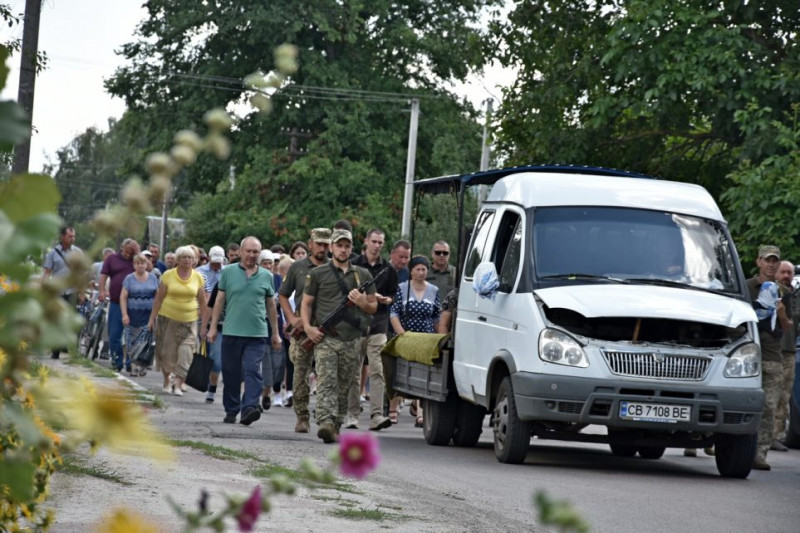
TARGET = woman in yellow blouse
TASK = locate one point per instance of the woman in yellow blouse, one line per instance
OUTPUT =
(179, 299)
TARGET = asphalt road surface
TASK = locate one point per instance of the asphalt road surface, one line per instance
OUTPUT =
(424, 488)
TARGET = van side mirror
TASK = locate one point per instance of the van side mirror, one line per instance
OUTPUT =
(485, 281)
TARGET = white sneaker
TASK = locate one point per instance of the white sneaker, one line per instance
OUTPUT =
(278, 400)
(351, 422)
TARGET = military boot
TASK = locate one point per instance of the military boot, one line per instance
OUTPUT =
(302, 425)
(327, 432)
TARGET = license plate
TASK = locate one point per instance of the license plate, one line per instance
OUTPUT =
(655, 412)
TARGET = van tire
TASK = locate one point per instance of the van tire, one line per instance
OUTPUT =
(651, 452)
(622, 450)
(735, 454)
(469, 424)
(512, 436)
(439, 420)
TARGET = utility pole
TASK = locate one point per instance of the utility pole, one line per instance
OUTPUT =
(412, 156)
(485, 150)
(27, 79)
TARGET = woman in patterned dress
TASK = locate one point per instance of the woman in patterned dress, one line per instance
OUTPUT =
(416, 308)
(136, 302)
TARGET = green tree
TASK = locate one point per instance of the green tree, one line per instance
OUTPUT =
(359, 65)
(648, 85)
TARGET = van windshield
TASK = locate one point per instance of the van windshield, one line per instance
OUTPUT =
(632, 246)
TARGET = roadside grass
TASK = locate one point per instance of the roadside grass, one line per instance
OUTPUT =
(75, 465)
(261, 469)
(99, 371)
(376, 515)
(217, 452)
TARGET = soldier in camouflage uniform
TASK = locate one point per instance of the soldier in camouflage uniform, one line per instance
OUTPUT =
(337, 352)
(769, 257)
(785, 276)
(295, 281)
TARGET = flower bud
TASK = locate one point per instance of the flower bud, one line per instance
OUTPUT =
(105, 222)
(286, 58)
(217, 119)
(157, 163)
(218, 145)
(134, 196)
(262, 102)
(188, 138)
(184, 155)
(159, 188)
(256, 80)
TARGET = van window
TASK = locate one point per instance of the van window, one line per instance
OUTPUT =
(635, 245)
(507, 254)
(477, 254)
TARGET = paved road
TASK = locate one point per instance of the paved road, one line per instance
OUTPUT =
(429, 488)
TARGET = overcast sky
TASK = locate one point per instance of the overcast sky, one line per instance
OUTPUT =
(79, 37)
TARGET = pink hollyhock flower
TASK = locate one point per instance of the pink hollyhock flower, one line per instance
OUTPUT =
(250, 510)
(359, 454)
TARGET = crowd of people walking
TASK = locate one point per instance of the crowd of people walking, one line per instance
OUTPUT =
(261, 315)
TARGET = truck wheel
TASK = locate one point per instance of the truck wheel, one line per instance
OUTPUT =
(735, 454)
(651, 452)
(469, 422)
(623, 450)
(439, 420)
(793, 427)
(512, 437)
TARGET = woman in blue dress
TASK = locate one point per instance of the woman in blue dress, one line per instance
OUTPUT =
(136, 302)
(416, 308)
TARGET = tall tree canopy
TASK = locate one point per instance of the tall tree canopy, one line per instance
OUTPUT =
(691, 90)
(345, 109)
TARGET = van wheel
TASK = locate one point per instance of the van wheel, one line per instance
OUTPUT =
(651, 452)
(623, 450)
(469, 422)
(735, 454)
(439, 420)
(512, 437)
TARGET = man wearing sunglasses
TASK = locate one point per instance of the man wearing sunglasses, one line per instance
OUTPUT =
(442, 273)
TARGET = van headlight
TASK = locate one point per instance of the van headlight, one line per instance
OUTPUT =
(558, 347)
(745, 362)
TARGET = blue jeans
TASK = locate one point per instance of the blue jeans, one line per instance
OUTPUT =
(115, 334)
(241, 361)
(215, 353)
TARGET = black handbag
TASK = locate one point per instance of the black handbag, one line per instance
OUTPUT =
(197, 377)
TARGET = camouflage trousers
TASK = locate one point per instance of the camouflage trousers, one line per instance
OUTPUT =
(782, 414)
(302, 368)
(371, 349)
(337, 361)
(772, 383)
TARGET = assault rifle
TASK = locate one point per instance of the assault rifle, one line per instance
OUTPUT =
(328, 323)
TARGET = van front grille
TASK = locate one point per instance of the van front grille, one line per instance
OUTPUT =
(658, 366)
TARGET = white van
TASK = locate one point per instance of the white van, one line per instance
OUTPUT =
(621, 303)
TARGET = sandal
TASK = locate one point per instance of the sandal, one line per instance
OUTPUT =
(419, 423)
(393, 416)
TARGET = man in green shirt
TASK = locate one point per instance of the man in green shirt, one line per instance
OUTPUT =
(337, 353)
(318, 246)
(246, 293)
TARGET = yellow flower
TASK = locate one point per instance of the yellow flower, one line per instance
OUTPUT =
(125, 521)
(102, 416)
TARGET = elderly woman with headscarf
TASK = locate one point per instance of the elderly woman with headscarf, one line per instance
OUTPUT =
(416, 308)
(180, 297)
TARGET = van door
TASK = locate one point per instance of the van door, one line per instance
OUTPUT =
(483, 325)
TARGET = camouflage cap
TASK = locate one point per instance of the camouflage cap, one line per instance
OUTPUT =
(339, 234)
(768, 251)
(322, 235)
